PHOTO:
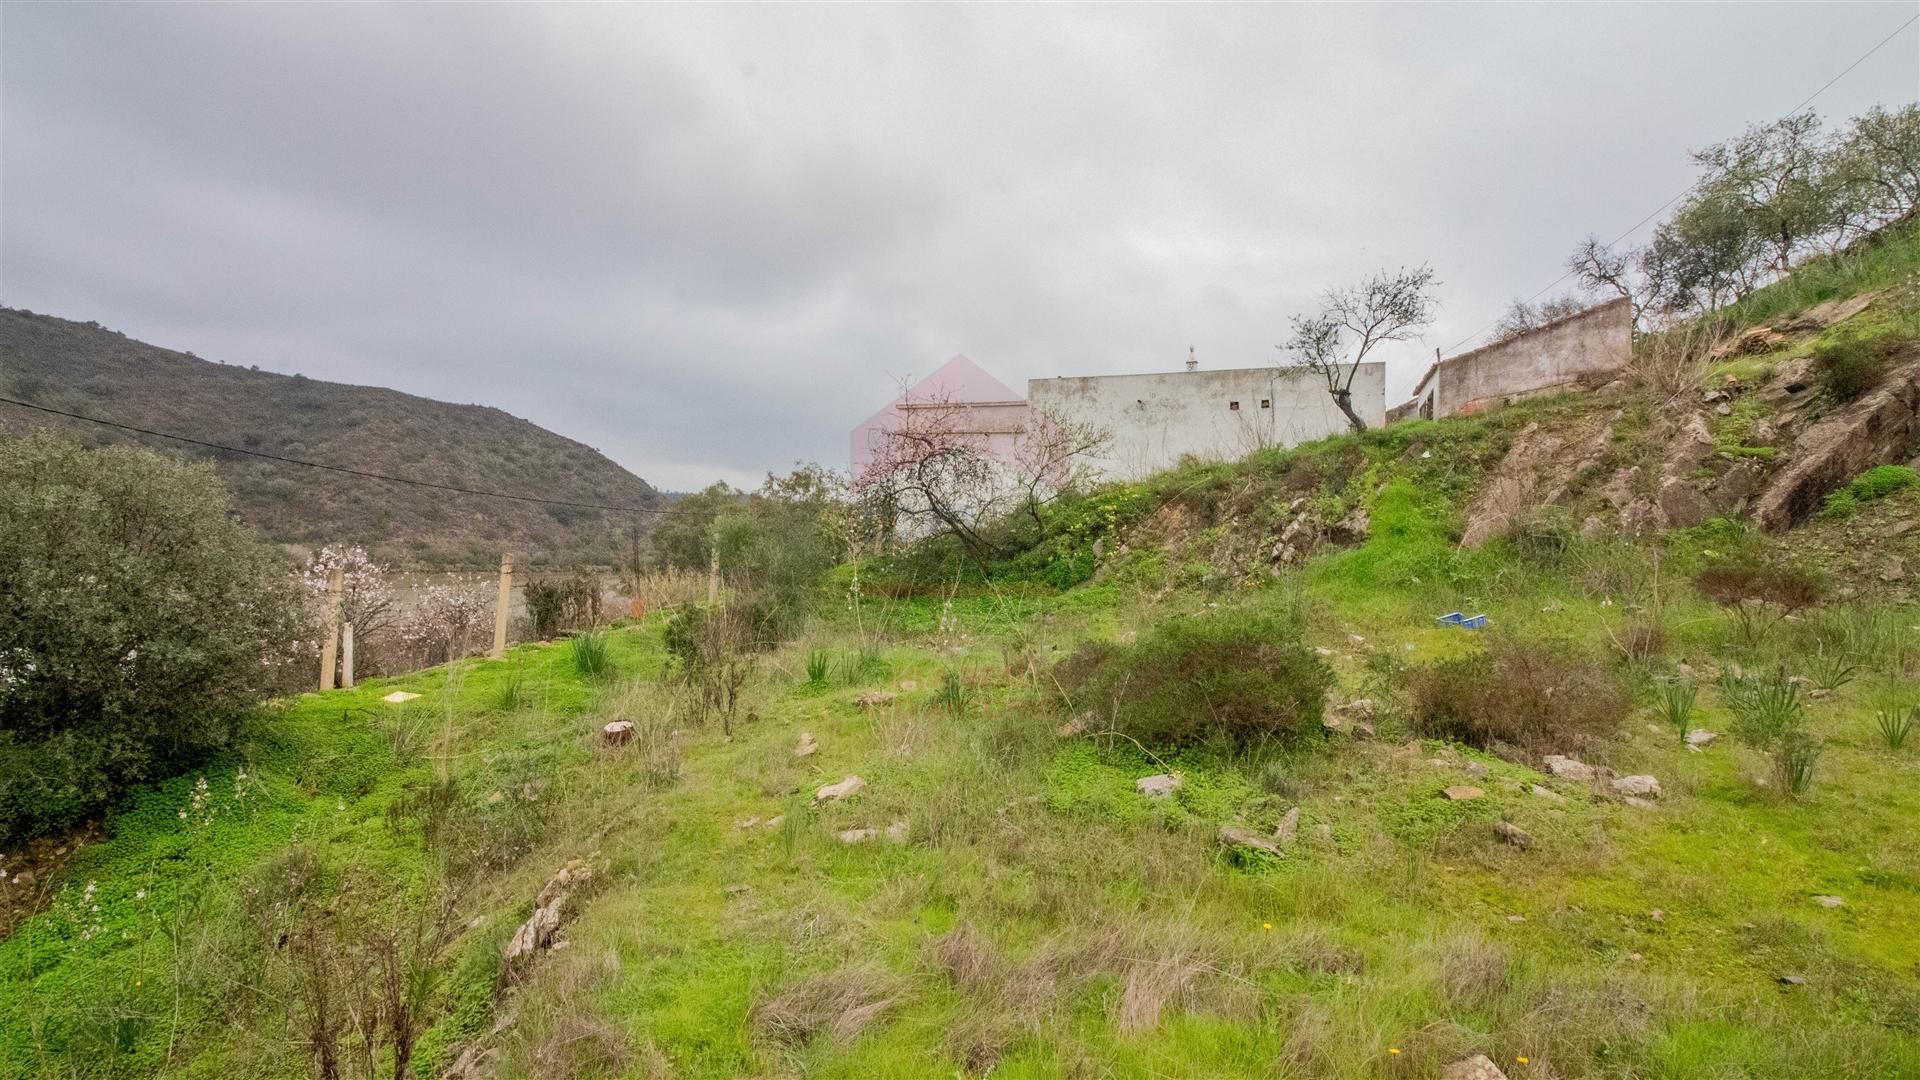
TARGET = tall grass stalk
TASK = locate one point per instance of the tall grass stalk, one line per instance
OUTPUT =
(819, 663)
(1768, 711)
(591, 657)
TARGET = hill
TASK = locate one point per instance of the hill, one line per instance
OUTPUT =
(85, 368)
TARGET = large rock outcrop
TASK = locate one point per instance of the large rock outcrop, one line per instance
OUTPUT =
(1884, 426)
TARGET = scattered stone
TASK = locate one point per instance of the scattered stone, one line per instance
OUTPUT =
(908, 685)
(1639, 803)
(858, 836)
(774, 821)
(1157, 787)
(1792, 980)
(1330, 723)
(399, 696)
(1567, 768)
(1635, 957)
(1072, 727)
(1701, 737)
(1235, 836)
(847, 788)
(1657, 915)
(1475, 770)
(873, 699)
(1547, 793)
(1513, 834)
(806, 747)
(1516, 918)
(746, 822)
(1477, 1067)
(1356, 639)
(618, 733)
(1289, 824)
(1322, 650)
(1829, 901)
(1462, 792)
(1361, 707)
(1640, 785)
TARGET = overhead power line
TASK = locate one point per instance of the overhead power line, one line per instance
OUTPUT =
(1662, 208)
(455, 488)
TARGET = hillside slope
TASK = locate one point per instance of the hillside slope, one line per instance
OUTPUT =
(87, 369)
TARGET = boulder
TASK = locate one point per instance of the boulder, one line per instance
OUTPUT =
(618, 733)
(1289, 825)
(1462, 792)
(1234, 836)
(1157, 787)
(845, 789)
(857, 836)
(1639, 786)
(1567, 768)
(1548, 793)
(1477, 1067)
(1683, 504)
(806, 747)
(873, 699)
(549, 906)
(1513, 834)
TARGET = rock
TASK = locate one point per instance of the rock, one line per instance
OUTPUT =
(1356, 639)
(1639, 786)
(398, 696)
(898, 831)
(1235, 836)
(857, 836)
(1547, 793)
(847, 788)
(1516, 918)
(1462, 792)
(873, 699)
(1893, 571)
(1331, 723)
(1657, 915)
(806, 747)
(1692, 445)
(1513, 834)
(1477, 1067)
(1757, 340)
(1322, 650)
(1639, 803)
(548, 907)
(1736, 486)
(618, 733)
(1792, 980)
(1567, 768)
(1821, 316)
(1879, 427)
(1475, 770)
(1072, 727)
(1361, 707)
(1642, 518)
(1157, 787)
(1701, 737)
(1829, 901)
(1289, 824)
(1512, 488)
(1684, 506)
(1618, 490)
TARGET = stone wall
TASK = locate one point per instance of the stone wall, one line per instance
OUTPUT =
(1157, 419)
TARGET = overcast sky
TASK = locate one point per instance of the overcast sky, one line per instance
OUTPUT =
(709, 241)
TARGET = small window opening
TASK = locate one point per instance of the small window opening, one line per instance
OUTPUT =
(1266, 403)
(1233, 405)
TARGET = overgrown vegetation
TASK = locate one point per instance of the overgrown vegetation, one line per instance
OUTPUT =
(1539, 696)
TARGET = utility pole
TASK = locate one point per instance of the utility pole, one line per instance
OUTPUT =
(501, 606)
(330, 644)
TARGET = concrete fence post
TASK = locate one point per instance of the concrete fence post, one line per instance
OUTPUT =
(502, 606)
(713, 577)
(346, 656)
(330, 643)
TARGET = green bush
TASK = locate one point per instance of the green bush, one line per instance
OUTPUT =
(1225, 677)
(139, 624)
(555, 604)
(1536, 695)
(1876, 483)
(1848, 368)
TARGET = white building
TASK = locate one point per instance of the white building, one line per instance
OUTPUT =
(1157, 419)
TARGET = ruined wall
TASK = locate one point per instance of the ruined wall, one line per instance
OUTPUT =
(1592, 344)
(1211, 415)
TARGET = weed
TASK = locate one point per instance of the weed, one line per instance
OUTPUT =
(954, 695)
(1767, 710)
(864, 664)
(1830, 669)
(1895, 723)
(1676, 705)
(591, 657)
(1848, 368)
(1760, 593)
(819, 663)
(511, 695)
(1793, 760)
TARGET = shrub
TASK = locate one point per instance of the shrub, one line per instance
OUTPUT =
(1229, 676)
(1847, 369)
(1765, 710)
(1761, 593)
(139, 623)
(1876, 483)
(557, 604)
(1533, 694)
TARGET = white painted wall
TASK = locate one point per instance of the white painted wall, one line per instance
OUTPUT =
(1157, 419)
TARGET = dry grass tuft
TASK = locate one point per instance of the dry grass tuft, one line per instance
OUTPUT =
(1157, 981)
(837, 1005)
(1474, 970)
(967, 959)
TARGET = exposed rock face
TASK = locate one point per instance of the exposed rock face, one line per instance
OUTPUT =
(1683, 504)
(1539, 468)
(1881, 427)
(548, 907)
(847, 788)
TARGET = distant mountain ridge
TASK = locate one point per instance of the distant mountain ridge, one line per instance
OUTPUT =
(85, 368)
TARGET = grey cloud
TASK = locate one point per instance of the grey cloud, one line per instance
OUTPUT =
(707, 240)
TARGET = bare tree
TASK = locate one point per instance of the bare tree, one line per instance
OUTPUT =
(1599, 268)
(1523, 317)
(1333, 342)
(1053, 456)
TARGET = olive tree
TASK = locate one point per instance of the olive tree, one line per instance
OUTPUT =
(139, 624)
(1332, 342)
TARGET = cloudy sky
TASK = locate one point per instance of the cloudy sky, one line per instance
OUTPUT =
(710, 240)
